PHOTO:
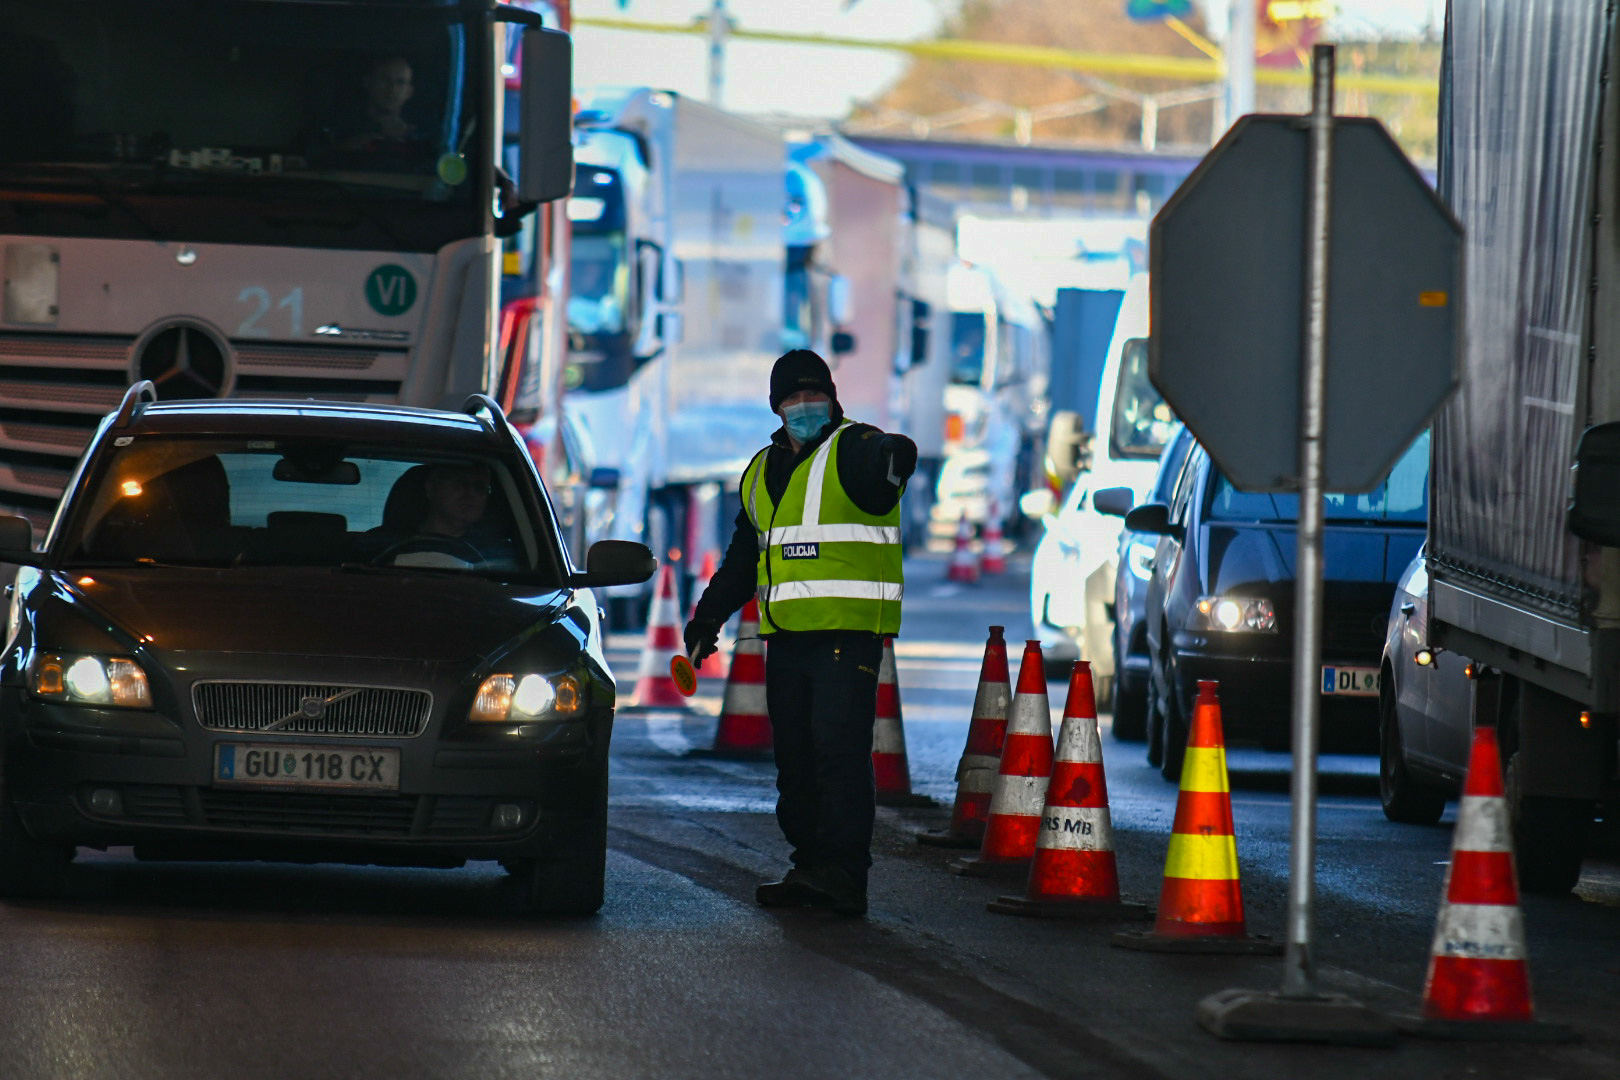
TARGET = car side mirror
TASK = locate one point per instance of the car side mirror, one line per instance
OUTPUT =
(17, 541)
(615, 562)
(1153, 518)
(1594, 509)
(1115, 501)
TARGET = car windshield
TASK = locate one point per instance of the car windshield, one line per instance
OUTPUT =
(1402, 498)
(212, 501)
(1143, 423)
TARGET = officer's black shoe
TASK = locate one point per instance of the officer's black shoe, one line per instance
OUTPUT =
(835, 890)
(792, 891)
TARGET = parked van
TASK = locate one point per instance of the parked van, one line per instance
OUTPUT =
(1072, 575)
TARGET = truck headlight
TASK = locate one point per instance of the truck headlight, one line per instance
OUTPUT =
(505, 698)
(1233, 614)
(92, 680)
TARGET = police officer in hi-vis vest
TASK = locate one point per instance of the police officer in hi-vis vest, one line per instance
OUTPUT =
(818, 542)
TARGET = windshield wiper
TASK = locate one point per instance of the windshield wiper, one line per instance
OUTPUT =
(99, 187)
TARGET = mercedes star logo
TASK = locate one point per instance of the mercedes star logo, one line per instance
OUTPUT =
(183, 362)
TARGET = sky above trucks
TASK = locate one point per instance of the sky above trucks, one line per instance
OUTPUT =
(813, 80)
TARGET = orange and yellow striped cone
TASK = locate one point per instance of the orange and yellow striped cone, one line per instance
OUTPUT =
(1479, 975)
(1201, 901)
(1019, 798)
(1075, 875)
(981, 758)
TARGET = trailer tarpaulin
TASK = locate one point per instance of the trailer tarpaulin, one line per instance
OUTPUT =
(1518, 158)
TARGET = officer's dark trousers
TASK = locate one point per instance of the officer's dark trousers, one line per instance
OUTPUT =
(821, 689)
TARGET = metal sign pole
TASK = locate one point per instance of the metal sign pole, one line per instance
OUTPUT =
(1299, 1012)
(1299, 964)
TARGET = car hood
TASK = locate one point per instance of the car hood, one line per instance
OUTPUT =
(1240, 555)
(403, 617)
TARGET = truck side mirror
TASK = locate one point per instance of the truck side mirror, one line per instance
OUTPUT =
(1594, 510)
(842, 342)
(546, 137)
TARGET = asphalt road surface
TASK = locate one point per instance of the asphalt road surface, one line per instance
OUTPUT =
(248, 970)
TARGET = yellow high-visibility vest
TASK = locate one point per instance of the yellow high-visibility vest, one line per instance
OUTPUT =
(824, 563)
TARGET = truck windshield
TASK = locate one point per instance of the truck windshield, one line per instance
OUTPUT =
(242, 121)
(1403, 497)
(1143, 423)
(210, 501)
(600, 282)
(967, 347)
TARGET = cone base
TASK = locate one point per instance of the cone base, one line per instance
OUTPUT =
(1148, 941)
(903, 798)
(1080, 910)
(946, 839)
(1486, 1030)
(991, 868)
(1260, 1016)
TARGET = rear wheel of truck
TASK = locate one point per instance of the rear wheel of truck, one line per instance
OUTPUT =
(1403, 798)
(1549, 836)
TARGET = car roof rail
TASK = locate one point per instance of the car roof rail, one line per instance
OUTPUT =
(482, 403)
(141, 393)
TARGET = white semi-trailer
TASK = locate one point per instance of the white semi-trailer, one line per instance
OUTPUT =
(1525, 579)
(675, 313)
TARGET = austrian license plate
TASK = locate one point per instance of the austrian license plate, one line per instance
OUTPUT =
(355, 768)
(1350, 681)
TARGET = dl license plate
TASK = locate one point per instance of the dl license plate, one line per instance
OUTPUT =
(355, 768)
(1350, 681)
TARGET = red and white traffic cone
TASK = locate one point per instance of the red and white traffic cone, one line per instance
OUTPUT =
(744, 729)
(1019, 799)
(713, 672)
(993, 559)
(962, 566)
(981, 758)
(1479, 980)
(655, 687)
(891, 773)
(1075, 875)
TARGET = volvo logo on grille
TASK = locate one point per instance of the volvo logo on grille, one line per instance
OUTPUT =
(183, 360)
(312, 708)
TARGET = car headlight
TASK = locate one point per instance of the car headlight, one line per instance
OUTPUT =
(1245, 614)
(1139, 557)
(92, 680)
(505, 698)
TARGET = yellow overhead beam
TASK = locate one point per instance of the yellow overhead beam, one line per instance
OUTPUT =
(1164, 67)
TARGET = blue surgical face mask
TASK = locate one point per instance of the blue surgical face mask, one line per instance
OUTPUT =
(805, 420)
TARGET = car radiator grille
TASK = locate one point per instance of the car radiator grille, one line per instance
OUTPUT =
(1353, 630)
(54, 389)
(310, 813)
(362, 711)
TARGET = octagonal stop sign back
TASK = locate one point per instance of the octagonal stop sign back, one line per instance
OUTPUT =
(1227, 298)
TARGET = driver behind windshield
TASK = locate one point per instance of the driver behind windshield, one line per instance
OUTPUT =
(382, 123)
(453, 530)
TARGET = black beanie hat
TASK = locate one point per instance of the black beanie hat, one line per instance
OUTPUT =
(798, 370)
